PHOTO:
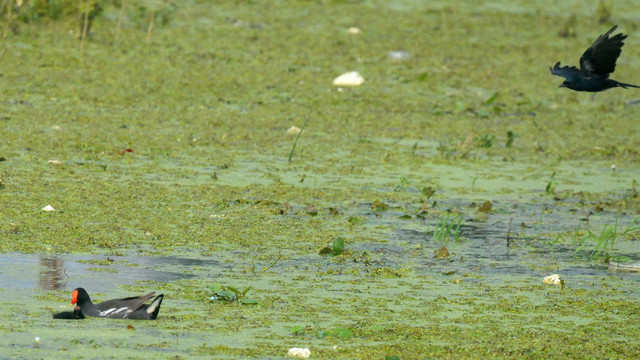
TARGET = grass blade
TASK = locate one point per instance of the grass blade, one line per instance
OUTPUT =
(298, 137)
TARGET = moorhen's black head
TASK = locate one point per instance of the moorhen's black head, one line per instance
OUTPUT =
(79, 296)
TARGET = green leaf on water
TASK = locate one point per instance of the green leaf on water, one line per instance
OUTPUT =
(335, 249)
(378, 205)
(344, 333)
(226, 295)
(492, 98)
(482, 113)
(215, 287)
(235, 291)
(427, 192)
(338, 246)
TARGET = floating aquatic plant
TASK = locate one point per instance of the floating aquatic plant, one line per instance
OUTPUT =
(230, 294)
(448, 227)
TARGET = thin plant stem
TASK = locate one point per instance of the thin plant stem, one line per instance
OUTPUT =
(9, 15)
(85, 26)
(272, 264)
(120, 18)
(293, 148)
(150, 29)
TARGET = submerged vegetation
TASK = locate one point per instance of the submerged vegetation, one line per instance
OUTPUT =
(162, 134)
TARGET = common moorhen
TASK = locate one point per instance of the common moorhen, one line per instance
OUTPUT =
(127, 308)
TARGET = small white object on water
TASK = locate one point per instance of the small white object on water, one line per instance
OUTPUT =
(613, 167)
(55, 162)
(552, 279)
(56, 127)
(294, 130)
(349, 79)
(398, 55)
(37, 341)
(48, 208)
(299, 352)
(354, 30)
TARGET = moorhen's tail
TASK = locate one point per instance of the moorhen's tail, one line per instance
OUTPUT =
(154, 307)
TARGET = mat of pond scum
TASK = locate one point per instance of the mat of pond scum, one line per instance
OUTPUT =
(513, 238)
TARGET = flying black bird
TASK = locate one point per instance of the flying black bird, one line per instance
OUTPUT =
(595, 65)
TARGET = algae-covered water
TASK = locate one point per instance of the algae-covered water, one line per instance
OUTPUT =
(167, 163)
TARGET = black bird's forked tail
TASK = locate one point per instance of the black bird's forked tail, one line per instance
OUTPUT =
(624, 85)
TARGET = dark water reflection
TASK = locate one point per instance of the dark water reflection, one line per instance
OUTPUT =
(51, 272)
(57, 272)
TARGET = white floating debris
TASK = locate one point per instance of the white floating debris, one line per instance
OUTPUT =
(354, 30)
(613, 166)
(552, 279)
(55, 162)
(349, 79)
(56, 127)
(398, 55)
(294, 130)
(37, 338)
(299, 352)
(48, 208)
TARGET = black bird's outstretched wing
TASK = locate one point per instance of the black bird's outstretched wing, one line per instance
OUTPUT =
(600, 58)
(568, 72)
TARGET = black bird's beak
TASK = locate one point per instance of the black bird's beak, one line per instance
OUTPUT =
(562, 85)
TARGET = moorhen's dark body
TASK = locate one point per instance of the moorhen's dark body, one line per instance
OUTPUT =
(126, 308)
(76, 314)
